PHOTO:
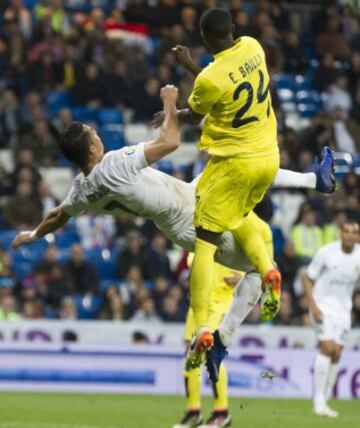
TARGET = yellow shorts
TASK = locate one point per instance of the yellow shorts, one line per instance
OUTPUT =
(231, 187)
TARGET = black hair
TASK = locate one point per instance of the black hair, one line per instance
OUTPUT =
(75, 143)
(216, 22)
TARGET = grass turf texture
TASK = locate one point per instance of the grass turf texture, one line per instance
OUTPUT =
(55, 410)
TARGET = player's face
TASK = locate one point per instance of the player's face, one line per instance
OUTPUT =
(349, 235)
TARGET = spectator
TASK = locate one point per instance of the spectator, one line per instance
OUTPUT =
(41, 142)
(129, 288)
(338, 96)
(81, 274)
(326, 73)
(146, 312)
(132, 255)
(157, 262)
(15, 215)
(148, 102)
(306, 235)
(161, 287)
(89, 90)
(295, 59)
(19, 14)
(331, 230)
(95, 231)
(47, 201)
(7, 308)
(346, 132)
(170, 311)
(9, 117)
(331, 41)
(68, 309)
(63, 120)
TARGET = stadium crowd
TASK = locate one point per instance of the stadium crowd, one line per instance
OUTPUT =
(99, 58)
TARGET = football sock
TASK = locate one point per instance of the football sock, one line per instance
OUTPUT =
(221, 391)
(193, 389)
(251, 240)
(321, 373)
(247, 293)
(333, 372)
(201, 281)
(286, 178)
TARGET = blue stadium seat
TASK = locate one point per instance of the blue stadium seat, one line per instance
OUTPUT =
(112, 136)
(165, 166)
(87, 310)
(85, 114)
(308, 110)
(286, 95)
(66, 239)
(278, 239)
(23, 268)
(104, 261)
(6, 238)
(30, 4)
(304, 82)
(56, 100)
(284, 81)
(108, 115)
(308, 97)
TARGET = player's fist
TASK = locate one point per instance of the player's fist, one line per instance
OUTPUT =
(169, 93)
(182, 54)
(22, 238)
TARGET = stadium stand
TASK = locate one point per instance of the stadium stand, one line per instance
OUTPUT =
(102, 63)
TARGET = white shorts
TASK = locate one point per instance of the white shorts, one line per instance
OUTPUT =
(333, 327)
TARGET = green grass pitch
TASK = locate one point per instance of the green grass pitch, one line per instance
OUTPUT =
(55, 410)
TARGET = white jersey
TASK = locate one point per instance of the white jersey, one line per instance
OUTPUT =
(335, 274)
(123, 182)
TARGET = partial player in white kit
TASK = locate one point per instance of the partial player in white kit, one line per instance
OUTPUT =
(329, 284)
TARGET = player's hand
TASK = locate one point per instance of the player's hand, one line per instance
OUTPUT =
(158, 119)
(182, 54)
(169, 93)
(22, 238)
(317, 314)
(232, 281)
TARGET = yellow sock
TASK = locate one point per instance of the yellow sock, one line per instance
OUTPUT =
(221, 390)
(251, 237)
(202, 281)
(193, 388)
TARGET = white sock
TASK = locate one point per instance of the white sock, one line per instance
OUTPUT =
(247, 293)
(333, 372)
(321, 374)
(287, 178)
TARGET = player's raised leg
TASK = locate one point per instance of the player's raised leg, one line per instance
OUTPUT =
(322, 179)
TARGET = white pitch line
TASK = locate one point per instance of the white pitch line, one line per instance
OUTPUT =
(13, 424)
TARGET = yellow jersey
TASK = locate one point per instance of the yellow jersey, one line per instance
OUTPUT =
(233, 92)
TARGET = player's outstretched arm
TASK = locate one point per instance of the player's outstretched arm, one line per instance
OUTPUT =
(169, 139)
(53, 221)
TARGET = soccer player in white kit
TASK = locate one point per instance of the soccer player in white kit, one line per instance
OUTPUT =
(329, 284)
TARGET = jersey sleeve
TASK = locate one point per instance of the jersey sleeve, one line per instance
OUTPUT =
(204, 96)
(317, 264)
(72, 205)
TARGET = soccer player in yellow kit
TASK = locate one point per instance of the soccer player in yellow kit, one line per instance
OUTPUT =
(220, 298)
(222, 302)
(240, 132)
